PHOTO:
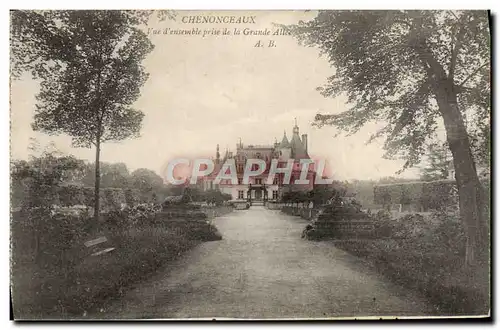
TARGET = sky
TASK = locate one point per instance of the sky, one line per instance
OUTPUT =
(204, 91)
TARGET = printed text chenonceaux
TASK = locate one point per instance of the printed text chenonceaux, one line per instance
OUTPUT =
(209, 19)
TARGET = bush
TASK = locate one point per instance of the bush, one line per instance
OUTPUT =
(64, 282)
(425, 254)
(116, 219)
(53, 256)
(343, 210)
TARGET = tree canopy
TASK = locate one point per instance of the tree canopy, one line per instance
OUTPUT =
(411, 71)
(89, 63)
(146, 180)
(439, 164)
(378, 65)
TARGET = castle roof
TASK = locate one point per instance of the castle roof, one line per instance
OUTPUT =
(298, 150)
(284, 142)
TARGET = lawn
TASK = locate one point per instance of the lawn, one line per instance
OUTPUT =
(61, 281)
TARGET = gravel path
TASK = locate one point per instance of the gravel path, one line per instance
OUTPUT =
(263, 269)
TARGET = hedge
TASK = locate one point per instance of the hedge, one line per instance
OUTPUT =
(427, 195)
(426, 254)
(70, 195)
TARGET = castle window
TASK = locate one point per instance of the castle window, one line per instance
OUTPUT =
(275, 194)
(240, 194)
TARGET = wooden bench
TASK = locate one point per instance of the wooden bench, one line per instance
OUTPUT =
(97, 247)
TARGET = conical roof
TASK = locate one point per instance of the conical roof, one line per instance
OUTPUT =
(284, 142)
(298, 150)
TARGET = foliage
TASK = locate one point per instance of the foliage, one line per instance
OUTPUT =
(66, 284)
(41, 177)
(69, 195)
(69, 182)
(89, 64)
(321, 194)
(114, 175)
(439, 162)
(113, 198)
(425, 254)
(45, 243)
(437, 195)
(409, 70)
(409, 226)
(392, 179)
(431, 195)
(294, 197)
(364, 192)
(193, 194)
(139, 215)
(398, 193)
(130, 197)
(217, 197)
(343, 210)
(146, 180)
(379, 65)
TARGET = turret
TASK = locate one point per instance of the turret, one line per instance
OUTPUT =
(298, 146)
(284, 142)
(304, 141)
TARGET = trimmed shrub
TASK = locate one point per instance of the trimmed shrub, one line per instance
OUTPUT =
(426, 254)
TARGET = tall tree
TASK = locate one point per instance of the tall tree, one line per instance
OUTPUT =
(89, 63)
(407, 69)
(438, 164)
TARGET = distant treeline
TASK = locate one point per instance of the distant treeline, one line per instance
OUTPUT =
(430, 195)
(67, 181)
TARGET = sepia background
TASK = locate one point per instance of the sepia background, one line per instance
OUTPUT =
(114, 240)
(215, 90)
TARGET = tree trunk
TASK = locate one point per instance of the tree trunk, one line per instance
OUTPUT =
(97, 183)
(470, 191)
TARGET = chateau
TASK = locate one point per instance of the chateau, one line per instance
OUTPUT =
(257, 190)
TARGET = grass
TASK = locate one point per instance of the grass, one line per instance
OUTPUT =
(429, 258)
(44, 290)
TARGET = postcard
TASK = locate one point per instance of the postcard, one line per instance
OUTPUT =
(250, 165)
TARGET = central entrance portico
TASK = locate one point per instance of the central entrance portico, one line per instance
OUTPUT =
(259, 192)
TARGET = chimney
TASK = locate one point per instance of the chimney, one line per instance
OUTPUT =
(304, 141)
